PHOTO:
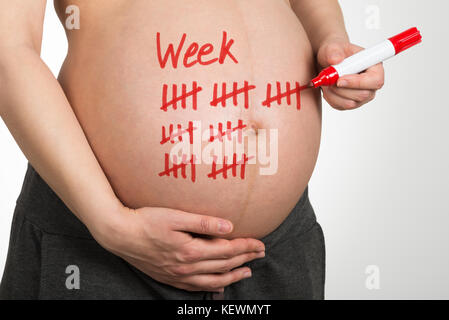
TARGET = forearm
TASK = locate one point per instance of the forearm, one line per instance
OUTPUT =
(38, 115)
(322, 20)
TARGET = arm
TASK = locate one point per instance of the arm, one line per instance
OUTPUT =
(38, 115)
(322, 20)
(324, 24)
(158, 241)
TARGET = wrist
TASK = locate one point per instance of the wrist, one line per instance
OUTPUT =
(107, 222)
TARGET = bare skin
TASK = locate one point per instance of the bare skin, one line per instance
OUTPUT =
(103, 120)
(116, 96)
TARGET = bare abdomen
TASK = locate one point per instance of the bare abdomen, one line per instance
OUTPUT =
(114, 81)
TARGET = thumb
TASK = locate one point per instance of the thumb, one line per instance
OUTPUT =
(331, 54)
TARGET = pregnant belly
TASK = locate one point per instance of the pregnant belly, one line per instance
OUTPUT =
(114, 78)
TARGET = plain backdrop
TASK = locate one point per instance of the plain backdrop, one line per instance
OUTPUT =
(380, 187)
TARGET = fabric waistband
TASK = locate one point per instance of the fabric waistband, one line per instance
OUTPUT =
(300, 220)
(42, 207)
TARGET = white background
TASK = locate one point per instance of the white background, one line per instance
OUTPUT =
(381, 185)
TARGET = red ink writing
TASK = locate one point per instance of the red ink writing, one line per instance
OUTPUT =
(181, 98)
(233, 94)
(187, 53)
(194, 53)
(226, 167)
(280, 95)
(225, 49)
(228, 132)
(171, 137)
(182, 166)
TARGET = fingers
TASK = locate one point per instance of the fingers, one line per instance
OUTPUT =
(338, 102)
(372, 79)
(352, 91)
(358, 95)
(215, 266)
(201, 224)
(330, 54)
(214, 282)
(335, 51)
(351, 49)
(203, 249)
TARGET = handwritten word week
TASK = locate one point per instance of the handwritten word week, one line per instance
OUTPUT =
(185, 96)
(194, 50)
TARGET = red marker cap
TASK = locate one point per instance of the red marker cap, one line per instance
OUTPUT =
(327, 77)
(406, 39)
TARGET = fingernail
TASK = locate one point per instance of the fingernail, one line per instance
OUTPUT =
(342, 83)
(261, 254)
(224, 227)
(247, 274)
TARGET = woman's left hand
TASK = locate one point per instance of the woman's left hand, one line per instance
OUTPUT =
(351, 91)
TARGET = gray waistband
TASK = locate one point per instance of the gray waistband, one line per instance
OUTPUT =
(42, 207)
(300, 220)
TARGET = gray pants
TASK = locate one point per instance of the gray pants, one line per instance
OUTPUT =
(47, 240)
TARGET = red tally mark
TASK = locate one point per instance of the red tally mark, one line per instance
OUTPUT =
(281, 95)
(172, 135)
(182, 98)
(179, 167)
(228, 132)
(231, 95)
(226, 167)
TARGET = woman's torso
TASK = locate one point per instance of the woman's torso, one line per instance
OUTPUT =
(113, 79)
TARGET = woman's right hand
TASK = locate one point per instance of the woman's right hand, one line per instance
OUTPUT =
(159, 242)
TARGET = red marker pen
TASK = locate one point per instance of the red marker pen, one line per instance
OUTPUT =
(367, 58)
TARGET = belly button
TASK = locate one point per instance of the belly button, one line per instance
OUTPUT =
(256, 130)
(254, 127)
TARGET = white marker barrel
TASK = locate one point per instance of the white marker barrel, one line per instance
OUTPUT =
(365, 59)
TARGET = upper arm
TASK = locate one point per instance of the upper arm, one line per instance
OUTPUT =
(21, 23)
